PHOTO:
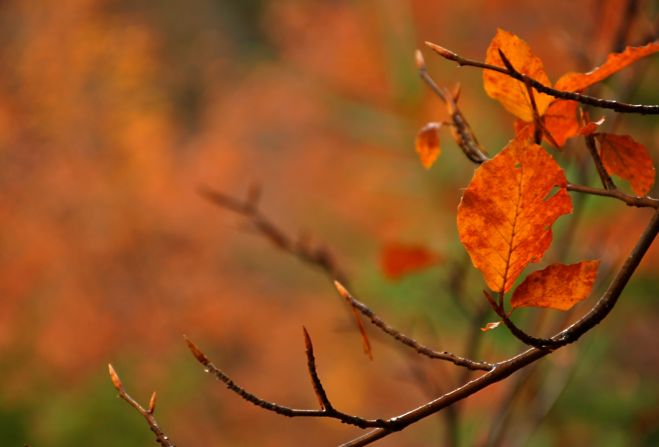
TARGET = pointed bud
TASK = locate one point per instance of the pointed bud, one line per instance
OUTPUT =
(443, 51)
(115, 378)
(200, 356)
(456, 92)
(307, 339)
(152, 403)
(342, 290)
(420, 62)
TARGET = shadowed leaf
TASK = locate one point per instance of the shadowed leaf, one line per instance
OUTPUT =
(624, 157)
(427, 144)
(557, 286)
(505, 215)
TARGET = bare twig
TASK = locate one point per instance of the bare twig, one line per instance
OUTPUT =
(607, 182)
(637, 201)
(409, 341)
(505, 368)
(462, 132)
(326, 410)
(161, 437)
(317, 256)
(620, 107)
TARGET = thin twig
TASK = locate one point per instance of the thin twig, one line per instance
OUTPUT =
(327, 411)
(317, 256)
(505, 368)
(161, 437)
(620, 107)
(637, 201)
(462, 132)
(409, 341)
(607, 182)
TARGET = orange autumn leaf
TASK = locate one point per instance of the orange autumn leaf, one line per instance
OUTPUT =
(511, 93)
(624, 157)
(614, 62)
(490, 326)
(427, 144)
(561, 121)
(591, 127)
(505, 215)
(397, 259)
(558, 286)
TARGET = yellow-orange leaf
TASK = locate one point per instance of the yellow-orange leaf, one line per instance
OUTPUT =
(505, 215)
(614, 62)
(512, 94)
(558, 286)
(427, 144)
(398, 259)
(624, 157)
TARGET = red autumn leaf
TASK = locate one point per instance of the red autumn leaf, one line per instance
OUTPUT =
(558, 286)
(427, 144)
(614, 62)
(397, 260)
(505, 215)
(624, 157)
(511, 93)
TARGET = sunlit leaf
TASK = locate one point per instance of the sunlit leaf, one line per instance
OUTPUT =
(505, 216)
(614, 63)
(397, 259)
(512, 94)
(490, 326)
(624, 157)
(427, 144)
(558, 286)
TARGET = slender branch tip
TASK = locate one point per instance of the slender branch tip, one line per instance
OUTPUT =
(448, 54)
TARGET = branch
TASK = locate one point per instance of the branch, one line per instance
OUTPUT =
(161, 438)
(607, 182)
(409, 341)
(326, 410)
(318, 256)
(620, 107)
(462, 133)
(637, 201)
(505, 368)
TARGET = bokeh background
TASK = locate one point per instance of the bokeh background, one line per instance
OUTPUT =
(114, 112)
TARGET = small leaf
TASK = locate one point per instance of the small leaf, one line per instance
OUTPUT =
(561, 120)
(427, 144)
(511, 93)
(624, 157)
(615, 62)
(591, 127)
(558, 286)
(506, 212)
(397, 260)
(490, 326)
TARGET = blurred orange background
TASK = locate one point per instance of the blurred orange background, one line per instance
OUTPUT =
(113, 113)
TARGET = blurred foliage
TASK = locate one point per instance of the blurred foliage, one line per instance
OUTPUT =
(112, 112)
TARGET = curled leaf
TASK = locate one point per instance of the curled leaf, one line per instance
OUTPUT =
(624, 157)
(511, 93)
(397, 260)
(615, 62)
(557, 286)
(506, 212)
(427, 144)
(490, 326)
